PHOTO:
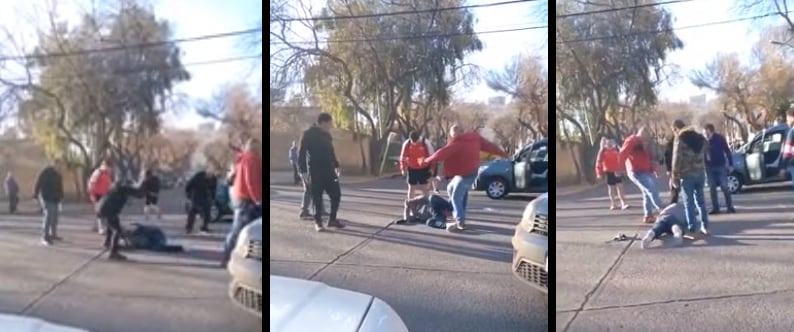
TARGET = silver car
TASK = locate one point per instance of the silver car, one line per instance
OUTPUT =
(245, 267)
(531, 245)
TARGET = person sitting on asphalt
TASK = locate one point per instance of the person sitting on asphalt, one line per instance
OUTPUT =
(670, 221)
(432, 210)
(109, 209)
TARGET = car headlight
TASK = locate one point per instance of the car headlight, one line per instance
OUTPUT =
(527, 218)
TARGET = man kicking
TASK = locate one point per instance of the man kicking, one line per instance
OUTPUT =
(109, 209)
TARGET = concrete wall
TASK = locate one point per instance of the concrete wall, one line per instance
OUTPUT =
(25, 159)
(348, 150)
(567, 162)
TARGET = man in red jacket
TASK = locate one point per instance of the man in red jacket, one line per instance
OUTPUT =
(461, 158)
(637, 154)
(246, 191)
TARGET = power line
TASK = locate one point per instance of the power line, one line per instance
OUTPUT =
(147, 68)
(127, 47)
(639, 33)
(404, 12)
(410, 37)
(609, 10)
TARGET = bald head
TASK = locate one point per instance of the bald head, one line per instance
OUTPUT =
(455, 130)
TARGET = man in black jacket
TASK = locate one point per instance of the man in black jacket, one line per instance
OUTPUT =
(200, 191)
(151, 190)
(109, 209)
(319, 169)
(49, 192)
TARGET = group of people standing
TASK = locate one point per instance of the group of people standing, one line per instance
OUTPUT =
(692, 159)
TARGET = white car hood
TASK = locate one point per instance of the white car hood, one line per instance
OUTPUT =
(301, 305)
(13, 323)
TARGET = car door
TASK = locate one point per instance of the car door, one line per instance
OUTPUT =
(538, 168)
(754, 159)
(520, 174)
(763, 157)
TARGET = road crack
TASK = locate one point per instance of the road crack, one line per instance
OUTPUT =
(26, 310)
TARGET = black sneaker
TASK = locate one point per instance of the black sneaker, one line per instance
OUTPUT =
(305, 215)
(713, 212)
(205, 230)
(117, 257)
(56, 238)
(336, 224)
(400, 221)
(732, 210)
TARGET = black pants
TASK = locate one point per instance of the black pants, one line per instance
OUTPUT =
(13, 201)
(295, 176)
(325, 182)
(202, 208)
(112, 233)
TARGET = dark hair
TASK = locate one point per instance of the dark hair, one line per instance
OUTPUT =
(678, 124)
(324, 118)
(414, 136)
(790, 112)
(709, 127)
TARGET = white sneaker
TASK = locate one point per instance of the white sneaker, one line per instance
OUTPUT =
(646, 241)
(678, 234)
(623, 205)
(704, 231)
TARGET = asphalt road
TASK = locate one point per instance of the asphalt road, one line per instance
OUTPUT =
(436, 281)
(738, 279)
(71, 283)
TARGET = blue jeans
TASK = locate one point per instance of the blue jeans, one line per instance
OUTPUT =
(646, 182)
(242, 217)
(664, 225)
(458, 190)
(718, 176)
(692, 193)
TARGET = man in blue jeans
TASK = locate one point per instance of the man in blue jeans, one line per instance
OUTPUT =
(689, 169)
(461, 160)
(718, 165)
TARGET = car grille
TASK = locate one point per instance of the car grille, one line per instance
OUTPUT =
(254, 250)
(540, 225)
(533, 274)
(248, 298)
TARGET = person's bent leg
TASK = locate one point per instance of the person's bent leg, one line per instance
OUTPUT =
(240, 220)
(46, 218)
(318, 187)
(646, 201)
(649, 181)
(726, 192)
(56, 209)
(206, 215)
(307, 198)
(191, 217)
(114, 229)
(712, 177)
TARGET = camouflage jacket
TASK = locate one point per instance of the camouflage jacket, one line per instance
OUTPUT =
(689, 154)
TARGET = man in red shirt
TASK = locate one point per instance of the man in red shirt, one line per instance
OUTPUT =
(246, 191)
(461, 158)
(417, 175)
(637, 154)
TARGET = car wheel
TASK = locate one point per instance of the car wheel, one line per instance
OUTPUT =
(496, 188)
(734, 183)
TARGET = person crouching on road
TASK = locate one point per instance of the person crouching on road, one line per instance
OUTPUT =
(430, 209)
(109, 209)
(151, 190)
(418, 176)
(461, 159)
(608, 165)
(670, 221)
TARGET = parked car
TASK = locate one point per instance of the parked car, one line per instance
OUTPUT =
(15, 323)
(301, 305)
(531, 245)
(758, 161)
(245, 267)
(527, 172)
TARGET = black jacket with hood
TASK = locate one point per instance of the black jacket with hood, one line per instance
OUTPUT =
(316, 152)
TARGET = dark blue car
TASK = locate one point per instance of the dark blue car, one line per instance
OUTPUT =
(527, 172)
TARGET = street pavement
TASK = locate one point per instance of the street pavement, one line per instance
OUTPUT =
(436, 281)
(72, 283)
(737, 279)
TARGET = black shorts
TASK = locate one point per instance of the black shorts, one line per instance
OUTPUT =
(151, 200)
(613, 179)
(418, 176)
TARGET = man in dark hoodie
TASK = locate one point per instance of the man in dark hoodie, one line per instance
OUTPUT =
(719, 164)
(151, 189)
(688, 170)
(12, 191)
(319, 169)
(49, 192)
(109, 208)
(200, 192)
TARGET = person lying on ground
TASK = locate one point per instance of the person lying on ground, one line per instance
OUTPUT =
(432, 210)
(671, 220)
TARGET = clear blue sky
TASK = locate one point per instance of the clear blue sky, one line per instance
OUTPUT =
(189, 18)
(703, 43)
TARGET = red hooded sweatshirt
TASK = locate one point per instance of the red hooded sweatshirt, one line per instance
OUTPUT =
(636, 156)
(461, 156)
(608, 162)
(248, 178)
